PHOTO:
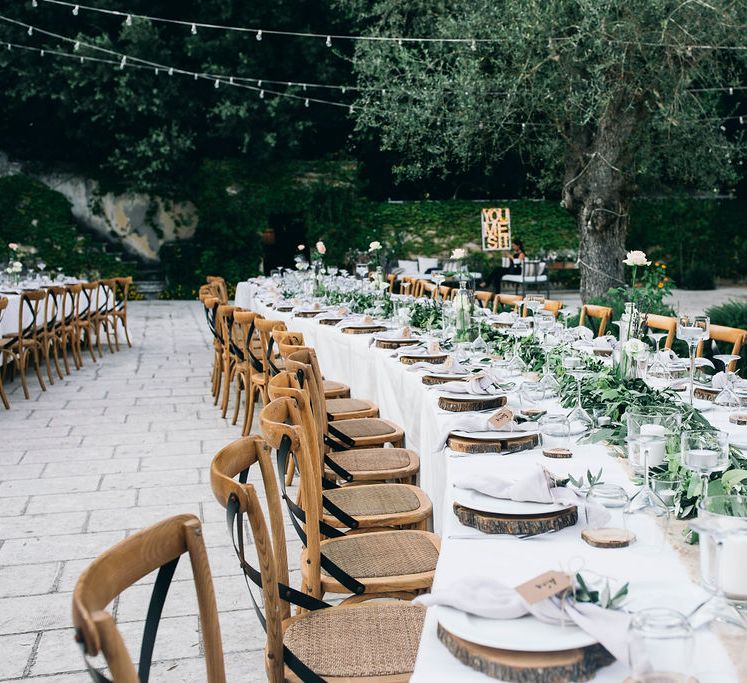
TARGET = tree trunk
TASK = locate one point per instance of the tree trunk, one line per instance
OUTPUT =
(598, 191)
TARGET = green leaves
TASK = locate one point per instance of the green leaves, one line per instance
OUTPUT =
(602, 597)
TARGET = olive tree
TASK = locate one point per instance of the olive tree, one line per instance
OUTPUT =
(605, 98)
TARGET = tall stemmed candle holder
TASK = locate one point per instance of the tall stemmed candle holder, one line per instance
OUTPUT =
(704, 452)
(693, 329)
(576, 367)
(722, 529)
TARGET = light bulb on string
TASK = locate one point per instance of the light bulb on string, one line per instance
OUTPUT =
(306, 102)
(76, 9)
(261, 94)
(195, 76)
(216, 84)
(42, 53)
(128, 21)
(171, 71)
(230, 80)
(193, 30)
(9, 47)
(473, 45)
(351, 109)
(30, 31)
(328, 42)
(343, 90)
(259, 84)
(259, 35)
(741, 120)
(34, 3)
(731, 91)
(122, 62)
(76, 47)
(156, 71)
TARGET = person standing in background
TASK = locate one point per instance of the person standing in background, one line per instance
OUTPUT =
(515, 259)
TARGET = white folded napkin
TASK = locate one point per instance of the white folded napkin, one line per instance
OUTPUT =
(476, 385)
(489, 598)
(605, 343)
(506, 317)
(580, 332)
(447, 368)
(535, 488)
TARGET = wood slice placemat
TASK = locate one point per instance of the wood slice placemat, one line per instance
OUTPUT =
(580, 664)
(307, 314)
(436, 359)
(705, 393)
(430, 380)
(329, 321)
(461, 405)
(363, 330)
(284, 308)
(503, 444)
(395, 344)
(516, 525)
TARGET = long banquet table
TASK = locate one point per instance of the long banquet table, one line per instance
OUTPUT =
(401, 396)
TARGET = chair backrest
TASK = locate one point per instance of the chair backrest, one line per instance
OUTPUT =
(391, 278)
(157, 547)
(224, 324)
(265, 328)
(503, 302)
(418, 288)
(219, 284)
(429, 289)
(729, 335)
(534, 268)
(211, 304)
(122, 292)
(551, 305)
(282, 427)
(484, 299)
(107, 295)
(88, 300)
(29, 310)
(664, 323)
(287, 341)
(602, 314)
(445, 292)
(3, 303)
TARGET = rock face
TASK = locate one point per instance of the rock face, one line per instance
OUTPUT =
(140, 223)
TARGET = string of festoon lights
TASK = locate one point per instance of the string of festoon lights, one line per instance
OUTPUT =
(329, 37)
(123, 60)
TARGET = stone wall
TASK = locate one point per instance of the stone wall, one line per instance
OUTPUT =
(140, 223)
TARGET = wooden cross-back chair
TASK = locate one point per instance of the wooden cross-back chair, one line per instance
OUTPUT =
(373, 506)
(49, 336)
(289, 342)
(484, 299)
(344, 434)
(85, 317)
(343, 463)
(662, 323)
(3, 353)
(727, 335)
(551, 305)
(597, 317)
(399, 562)
(224, 322)
(506, 302)
(445, 292)
(372, 641)
(118, 312)
(100, 304)
(220, 287)
(66, 326)
(391, 278)
(159, 547)
(211, 304)
(429, 289)
(248, 365)
(25, 344)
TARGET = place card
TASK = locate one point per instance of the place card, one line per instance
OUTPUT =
(544, 586)
(501, 417)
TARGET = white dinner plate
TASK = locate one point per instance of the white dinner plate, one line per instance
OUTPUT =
(499, 506)
(469, 396)
(427, 357)
(491, 435)
(527, 634)
(738, 441)
(399, 340)
(360, 325)
(449, 375)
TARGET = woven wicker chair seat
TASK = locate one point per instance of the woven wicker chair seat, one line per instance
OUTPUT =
(346, 405)
(330, 386)
(364, 427)
(373, 459)
(382, 554)
(375, 499)
(327, 640)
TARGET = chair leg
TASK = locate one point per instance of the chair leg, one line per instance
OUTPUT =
(249, 410)
(37, 367)
(239, 379)
(290, 472)
(48, 362)
(63, 351)
(89, 337)
(96, 329)
(115, 325)
(56, 343)
(126, 331)
(226, 386)
(21, 365)
(105, 325)
(4, 396)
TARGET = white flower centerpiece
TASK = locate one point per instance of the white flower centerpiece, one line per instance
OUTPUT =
(633, 350)
(464, 300)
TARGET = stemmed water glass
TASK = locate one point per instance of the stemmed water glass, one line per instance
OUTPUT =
(704, 452)
(518, 331)
(646, 499)
(727, 397)
(693, 329)
(438, 279)
(576, 368)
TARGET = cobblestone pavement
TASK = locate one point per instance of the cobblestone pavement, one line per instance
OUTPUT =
(112, 448)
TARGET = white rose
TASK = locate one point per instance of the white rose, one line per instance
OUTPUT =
(301, 247)
(374, 246)
(35, 222)
(635, 347)
(458, 254)
(636, 258)
(321, 248)
(13, 246)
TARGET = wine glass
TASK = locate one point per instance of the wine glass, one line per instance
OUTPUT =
(693, 329)
(576, 368)
(660, 646)
(554, 429)
(727, 397)
(438, 277)
(704, 452)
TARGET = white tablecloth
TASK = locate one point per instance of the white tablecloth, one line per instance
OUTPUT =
(372, 373)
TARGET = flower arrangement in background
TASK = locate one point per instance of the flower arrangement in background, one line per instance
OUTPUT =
(458, 254)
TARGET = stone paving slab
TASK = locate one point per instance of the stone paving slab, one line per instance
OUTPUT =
(110, 449)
